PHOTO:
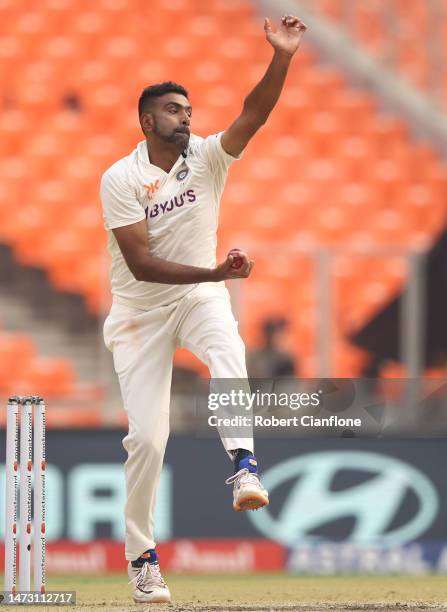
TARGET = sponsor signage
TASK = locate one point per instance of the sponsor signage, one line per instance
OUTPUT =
(222, 556)
(365, 498)
(339, 558)
(181, 556)
(373, 504)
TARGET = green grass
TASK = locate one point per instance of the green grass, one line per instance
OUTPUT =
(273, 591)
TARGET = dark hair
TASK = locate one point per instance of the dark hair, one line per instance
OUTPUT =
(155, 91)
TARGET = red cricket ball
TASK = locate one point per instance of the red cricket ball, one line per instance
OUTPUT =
(237, 259)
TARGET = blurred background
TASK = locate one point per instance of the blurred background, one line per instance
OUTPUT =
(340, 200)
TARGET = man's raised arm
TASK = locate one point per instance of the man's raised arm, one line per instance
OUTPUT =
(260, 102)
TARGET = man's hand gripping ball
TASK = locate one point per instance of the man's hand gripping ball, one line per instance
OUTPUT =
(236, 265)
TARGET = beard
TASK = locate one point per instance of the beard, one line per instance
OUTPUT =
(173, 137)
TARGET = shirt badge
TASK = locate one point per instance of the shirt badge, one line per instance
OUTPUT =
(152, 188)
(182, 174)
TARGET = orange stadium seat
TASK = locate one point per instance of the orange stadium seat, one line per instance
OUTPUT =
(332, 8)
(10, 193)
(229, 12)
(203, 27)
(16, 351)
(13, 124)
(23, 372)
(327, 170)
(324, 83)
(80, 417)
(50, 377)
(369, 28)
(356, 110)
(64, 122)
(413, 24)
(324, 132)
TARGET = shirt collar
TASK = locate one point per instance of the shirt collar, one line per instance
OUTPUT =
(143, 156)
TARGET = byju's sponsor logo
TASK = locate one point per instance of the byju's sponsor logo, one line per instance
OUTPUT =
(390, 503)
(160, 208)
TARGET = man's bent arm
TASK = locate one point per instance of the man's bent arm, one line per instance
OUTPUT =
(134, 244)
(260, 102)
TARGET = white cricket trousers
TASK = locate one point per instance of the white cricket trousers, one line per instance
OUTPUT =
(143, 345)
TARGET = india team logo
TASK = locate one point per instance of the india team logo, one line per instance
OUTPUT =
(182, 174)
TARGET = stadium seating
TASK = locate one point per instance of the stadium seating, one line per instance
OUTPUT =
(406, 34)
(23, 371)
(328, 170)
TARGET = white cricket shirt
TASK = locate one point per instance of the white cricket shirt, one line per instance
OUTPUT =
(181, 209)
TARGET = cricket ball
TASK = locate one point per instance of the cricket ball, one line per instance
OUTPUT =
(237, 259)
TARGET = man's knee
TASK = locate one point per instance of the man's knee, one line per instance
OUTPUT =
(229, 347)
(227, 360)
(147, 440)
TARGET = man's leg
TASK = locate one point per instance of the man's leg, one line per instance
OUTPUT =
(143, 349)
(209, 330)
(207, 327)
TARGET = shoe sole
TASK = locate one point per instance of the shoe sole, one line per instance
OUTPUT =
(251, 502)
(160, 599)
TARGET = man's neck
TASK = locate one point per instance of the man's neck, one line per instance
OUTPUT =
(162, 155)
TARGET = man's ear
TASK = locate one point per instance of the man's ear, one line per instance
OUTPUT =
(147, 122)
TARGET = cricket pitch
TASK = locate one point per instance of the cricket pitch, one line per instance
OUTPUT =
(262, 592)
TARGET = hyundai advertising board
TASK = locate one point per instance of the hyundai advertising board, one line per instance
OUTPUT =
(336, 505)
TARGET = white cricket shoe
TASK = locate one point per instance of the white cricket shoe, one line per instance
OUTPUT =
(149, 584)
(248, 492)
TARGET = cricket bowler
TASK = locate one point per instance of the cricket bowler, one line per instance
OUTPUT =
(161, 206)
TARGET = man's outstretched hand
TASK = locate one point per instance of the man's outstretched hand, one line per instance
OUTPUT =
(288, 36)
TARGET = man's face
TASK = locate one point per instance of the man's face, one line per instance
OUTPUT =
(169, 119)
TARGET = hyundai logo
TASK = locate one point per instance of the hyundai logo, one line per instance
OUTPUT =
(377, 505)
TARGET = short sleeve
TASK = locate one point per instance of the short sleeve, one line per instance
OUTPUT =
(119, 201)
(212, 152)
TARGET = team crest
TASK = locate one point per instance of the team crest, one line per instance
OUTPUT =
(182, 174)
